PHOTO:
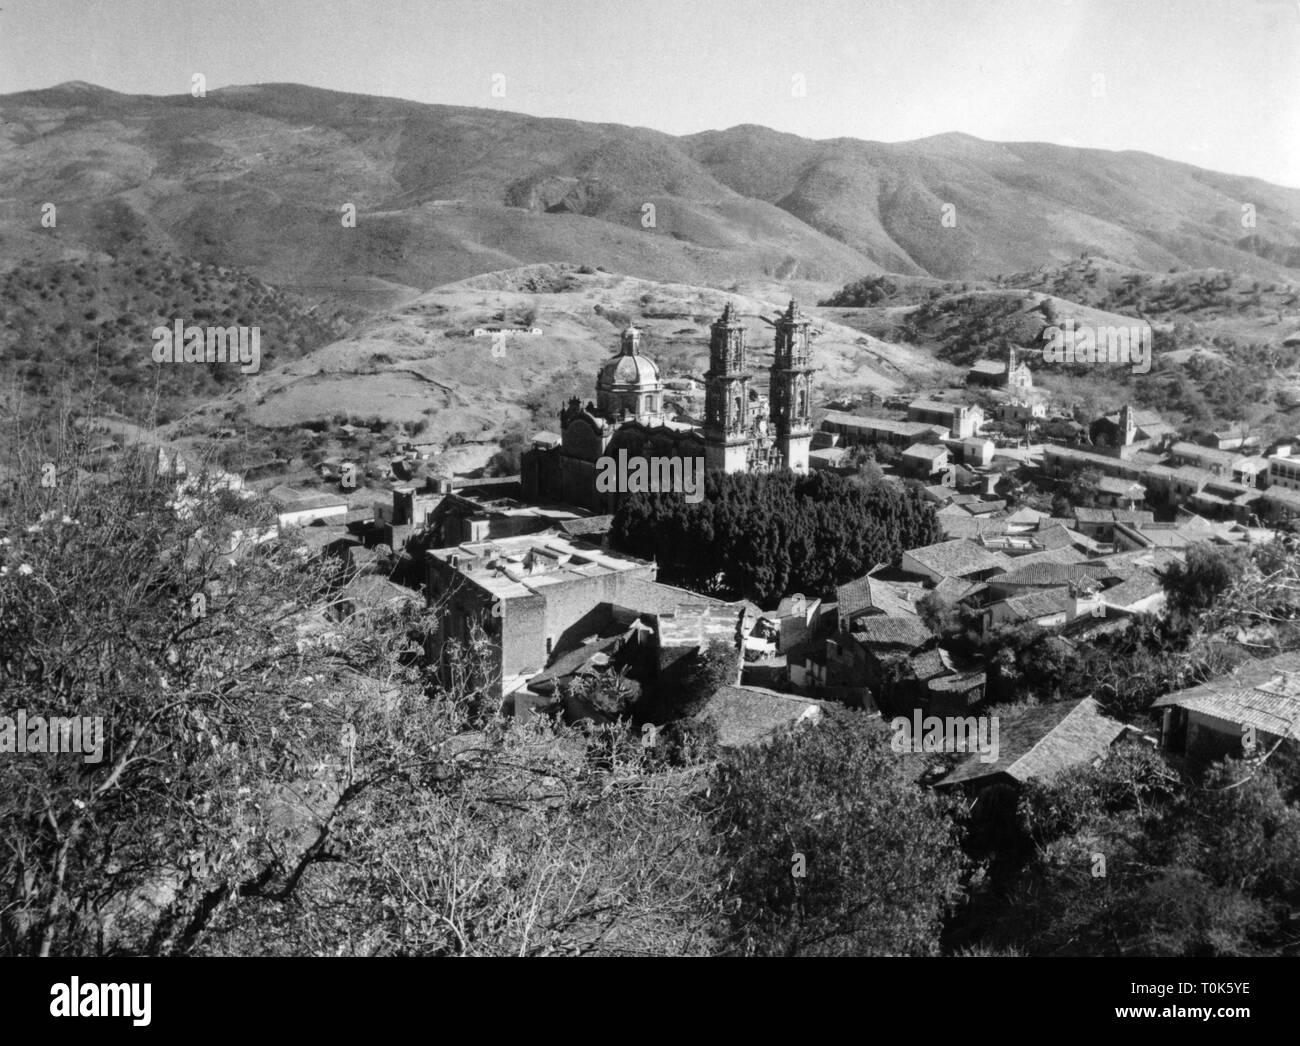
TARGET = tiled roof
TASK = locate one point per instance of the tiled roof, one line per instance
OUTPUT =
(914, 429)
(1123, 487)
(930, 664)
(746, 715)
(1141, 584)
(1064, 555)
(883, 630)
(1055, 536)
(1038, 604)
(1113, 515)
(1026, 515)
(934, 406)
(953, 588)
(1196, 452)
(926, 451)
(989, 367)
(895, 598)
(957, 558)
(653, 597)
(952, 526)
(1264, 694)
(1039, 742)
(853, 597)
(1049, 573)
(587, 525)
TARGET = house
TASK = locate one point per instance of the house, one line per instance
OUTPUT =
(1231, 438)
(1284, 470)
(960, 419)
(1128, 430)
(1260, 701)
(594, 529)
(1140, 593)
(853, 429)
(1249, 471)
(1003, 374)
(858, 657)
(1062, 462)
(874, 595)
(1218, 462)
(977, 451)
(1024, 410)
(1099, 523)
(300, 508)
(1023, 577)
(1024, 517)
(832, 459)
(1120, 493)
(1278, 504)
(531, 595)
(1046, 607)
(1038, 743)
(924, 460)
(962, 524)
(959, 558)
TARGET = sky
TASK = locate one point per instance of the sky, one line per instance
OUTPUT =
(1214, 83)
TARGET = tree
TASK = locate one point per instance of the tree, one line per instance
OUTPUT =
(764, 536)
(276, 782)
(1209, 571)
(1126, 858)
(830, 848)
(682, 690)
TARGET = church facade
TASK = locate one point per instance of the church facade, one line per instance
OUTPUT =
(738, 433)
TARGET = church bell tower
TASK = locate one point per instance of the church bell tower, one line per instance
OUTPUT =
(726, 396)
(790, 391)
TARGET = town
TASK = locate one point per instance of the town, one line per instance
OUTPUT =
(747, 481)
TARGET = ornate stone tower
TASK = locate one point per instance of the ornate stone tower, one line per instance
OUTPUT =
(790, 391)
(726, 397)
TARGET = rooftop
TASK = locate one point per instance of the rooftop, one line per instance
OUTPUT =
(1042, 603)
(958, 558)
(1040, 742)
(746, 715)
(1264, 694)
(883, 630)
(528, 564)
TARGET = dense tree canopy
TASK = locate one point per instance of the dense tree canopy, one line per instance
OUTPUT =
(764, 536)
(829, 847)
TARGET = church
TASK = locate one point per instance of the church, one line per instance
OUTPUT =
(738, 433)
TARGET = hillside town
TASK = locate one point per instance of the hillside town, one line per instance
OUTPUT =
(1044, 520)
(733, 480)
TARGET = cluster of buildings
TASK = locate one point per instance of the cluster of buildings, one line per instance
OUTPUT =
(525, 567)
(739, 432)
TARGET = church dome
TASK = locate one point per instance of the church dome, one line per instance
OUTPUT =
(629, 369)
(628, 385)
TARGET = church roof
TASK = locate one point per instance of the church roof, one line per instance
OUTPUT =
(629, 368)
